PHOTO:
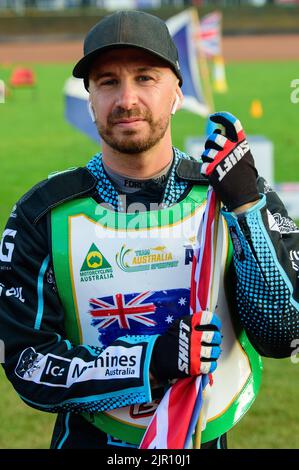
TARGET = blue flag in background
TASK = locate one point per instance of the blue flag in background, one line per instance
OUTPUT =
(76, 108)
(182, 30)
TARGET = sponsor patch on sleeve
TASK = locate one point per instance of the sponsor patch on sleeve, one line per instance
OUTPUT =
(117, 362)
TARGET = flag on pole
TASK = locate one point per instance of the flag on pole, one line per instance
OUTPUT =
(209, 42)
(183, 401)
(179, 405)
(182, 28)
(76, 108)
(210, 34)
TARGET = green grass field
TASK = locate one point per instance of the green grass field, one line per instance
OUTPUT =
(35, 140)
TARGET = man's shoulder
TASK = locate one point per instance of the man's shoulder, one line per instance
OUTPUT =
(58, 188)
(189, 170)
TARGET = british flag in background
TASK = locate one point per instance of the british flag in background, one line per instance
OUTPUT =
(210, 34)
(150, 312)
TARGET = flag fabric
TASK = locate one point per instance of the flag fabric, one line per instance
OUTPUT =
(137, 313)
(181, 28)
(177, 406)
(209, 35)
(183, 401)
(76, 108)
(203, 262)
(209, 42)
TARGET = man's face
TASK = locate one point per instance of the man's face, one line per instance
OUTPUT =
(132, 93)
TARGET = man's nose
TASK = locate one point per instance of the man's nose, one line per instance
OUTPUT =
(127, 96)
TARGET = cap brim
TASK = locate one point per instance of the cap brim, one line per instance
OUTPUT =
(82, 68)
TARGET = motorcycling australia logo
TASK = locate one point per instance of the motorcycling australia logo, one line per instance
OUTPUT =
(95, 266)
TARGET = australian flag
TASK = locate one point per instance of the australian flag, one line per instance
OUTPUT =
(138, 313)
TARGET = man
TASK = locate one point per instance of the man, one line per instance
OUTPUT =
(96, 262)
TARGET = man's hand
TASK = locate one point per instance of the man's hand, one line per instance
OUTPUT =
(228, 163)
(190, 347)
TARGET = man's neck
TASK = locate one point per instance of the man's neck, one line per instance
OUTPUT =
(139, 166)
(128, 185)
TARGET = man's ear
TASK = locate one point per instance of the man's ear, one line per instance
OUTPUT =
(91, 112)
(181, 96)
(178, 100)
(175, 104)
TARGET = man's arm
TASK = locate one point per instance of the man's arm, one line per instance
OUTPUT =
(264, 240)
(47, 371)
(267, 286)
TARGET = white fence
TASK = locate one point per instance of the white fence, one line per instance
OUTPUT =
(21, 5)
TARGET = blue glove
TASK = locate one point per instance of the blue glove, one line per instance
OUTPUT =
(228, 162)
(190, 347)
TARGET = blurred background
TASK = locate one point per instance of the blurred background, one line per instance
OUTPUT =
(240, 56)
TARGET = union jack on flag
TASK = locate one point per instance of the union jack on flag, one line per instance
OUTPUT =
(210, 34)
(121, 312)
(150, 312)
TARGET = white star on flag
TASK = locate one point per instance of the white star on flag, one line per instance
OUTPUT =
(169, 319)
(182, 301)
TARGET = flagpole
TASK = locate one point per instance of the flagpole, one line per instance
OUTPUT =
(212, 297)
(208, 93)
(202, 62)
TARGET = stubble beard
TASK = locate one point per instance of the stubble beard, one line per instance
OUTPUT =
(128, 141)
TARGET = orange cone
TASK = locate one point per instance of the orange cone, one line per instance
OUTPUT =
(256, 109)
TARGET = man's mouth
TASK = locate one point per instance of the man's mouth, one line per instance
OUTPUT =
(131, 119)
(127, 122)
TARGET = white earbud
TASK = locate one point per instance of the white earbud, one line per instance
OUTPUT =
(91, 113)
(175, 104)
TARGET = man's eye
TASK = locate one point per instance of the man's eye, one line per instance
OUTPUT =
(144, 78)
(109, 82)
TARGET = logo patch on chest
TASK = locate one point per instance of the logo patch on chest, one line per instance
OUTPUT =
(95, 266)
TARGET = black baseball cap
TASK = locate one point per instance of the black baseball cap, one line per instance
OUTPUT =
(124, 29)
